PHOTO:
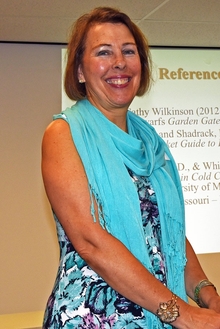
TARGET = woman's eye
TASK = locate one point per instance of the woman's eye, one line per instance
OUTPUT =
(103, 53)
(129, 52)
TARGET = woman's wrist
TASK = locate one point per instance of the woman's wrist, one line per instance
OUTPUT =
(203, 293)
(175, 312)
(168, 311)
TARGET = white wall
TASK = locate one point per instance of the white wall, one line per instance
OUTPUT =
(29, 94)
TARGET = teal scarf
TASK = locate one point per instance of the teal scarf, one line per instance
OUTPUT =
(106, 152)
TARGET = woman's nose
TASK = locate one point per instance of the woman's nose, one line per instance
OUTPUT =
(119, 63)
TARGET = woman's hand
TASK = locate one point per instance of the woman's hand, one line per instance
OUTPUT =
(202, 318)
(214, 304)
(192, 317)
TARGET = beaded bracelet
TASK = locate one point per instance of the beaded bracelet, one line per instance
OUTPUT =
(200, 285)
(169, 311)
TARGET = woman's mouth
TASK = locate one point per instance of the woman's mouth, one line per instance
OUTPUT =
(118, 81)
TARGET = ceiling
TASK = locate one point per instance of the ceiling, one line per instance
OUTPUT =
(188, 23)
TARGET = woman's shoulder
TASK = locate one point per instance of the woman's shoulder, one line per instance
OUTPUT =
(57, 139)
(56, 128)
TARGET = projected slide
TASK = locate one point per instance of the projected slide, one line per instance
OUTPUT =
(184, 107)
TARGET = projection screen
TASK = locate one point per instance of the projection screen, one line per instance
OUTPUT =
(184, 107)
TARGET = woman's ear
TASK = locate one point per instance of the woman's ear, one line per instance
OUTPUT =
(80, 75)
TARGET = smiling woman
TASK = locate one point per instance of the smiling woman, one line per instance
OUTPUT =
(116, 195)
(110, 69)
(79, 37)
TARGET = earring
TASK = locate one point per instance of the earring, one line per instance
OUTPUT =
(81, 81)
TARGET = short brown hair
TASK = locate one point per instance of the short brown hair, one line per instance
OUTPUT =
(76, 47)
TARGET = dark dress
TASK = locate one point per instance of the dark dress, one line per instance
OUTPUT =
(82, 299)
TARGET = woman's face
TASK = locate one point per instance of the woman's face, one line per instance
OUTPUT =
(110, 67)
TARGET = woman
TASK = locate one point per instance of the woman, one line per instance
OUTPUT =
(116, 195)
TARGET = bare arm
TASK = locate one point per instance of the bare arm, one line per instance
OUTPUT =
(193, 275)
(67, 189)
